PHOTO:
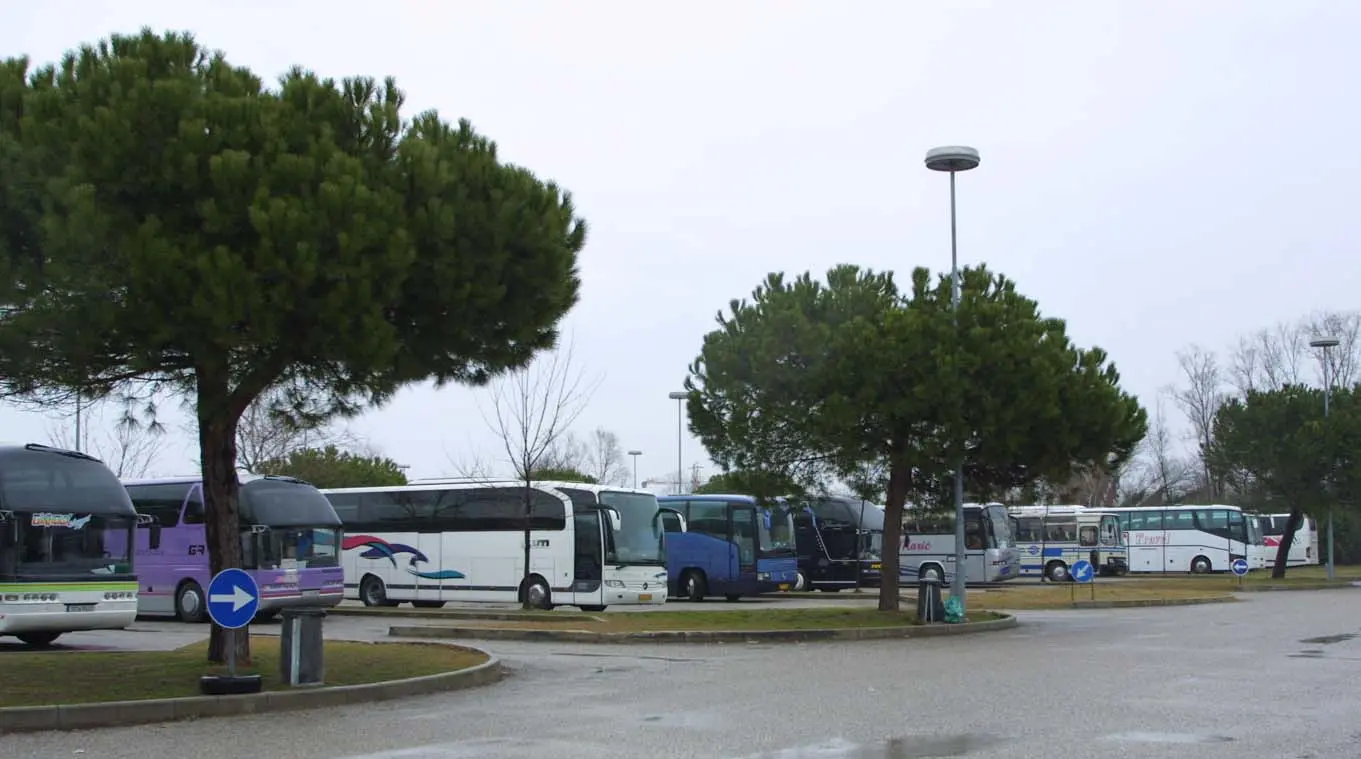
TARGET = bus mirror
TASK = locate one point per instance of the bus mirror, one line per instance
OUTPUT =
(154, 536)
(616, 522)
(765, 518)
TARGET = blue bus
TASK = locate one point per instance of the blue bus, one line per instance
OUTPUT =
(731, 546)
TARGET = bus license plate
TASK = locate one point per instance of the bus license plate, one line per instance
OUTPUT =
(80, 607)
(784, 586)
(876, 565)
(644, 596)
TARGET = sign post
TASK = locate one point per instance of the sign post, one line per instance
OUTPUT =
(1240, 568)
(1084, 572)
(233, 600)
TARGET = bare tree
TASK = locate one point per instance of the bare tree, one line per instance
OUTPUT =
(1157, 475)
(281, 422)
(567, 452)
(605, 458)
(1200, 399)
(531, 410)
(1274, 357)
(129, 446)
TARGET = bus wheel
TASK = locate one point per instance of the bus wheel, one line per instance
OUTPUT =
(801, 582)
(39, 639)
(1200, 565)
(694, 585)
(189, 606)
(373, 593)
(538, 594)
(1057, 571)
(428, 604)
(592, 609)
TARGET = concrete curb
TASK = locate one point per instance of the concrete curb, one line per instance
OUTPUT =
(364, 611)
(1007, 622)
(25, 719)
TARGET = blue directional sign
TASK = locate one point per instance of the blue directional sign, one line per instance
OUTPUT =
(1239, 567)
(233, 598)
(1082, 571)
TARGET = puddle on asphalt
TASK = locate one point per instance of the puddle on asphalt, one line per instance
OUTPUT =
(1180, 738)
(685, 720)
(906, 747)
(1326, 639)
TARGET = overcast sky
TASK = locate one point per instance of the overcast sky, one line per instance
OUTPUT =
(1156, 173)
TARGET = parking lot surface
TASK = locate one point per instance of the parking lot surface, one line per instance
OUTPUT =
(1272, 676)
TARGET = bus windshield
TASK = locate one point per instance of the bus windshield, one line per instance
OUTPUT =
(57, 513)
(639, 537)
(775, 530)
(303, 529)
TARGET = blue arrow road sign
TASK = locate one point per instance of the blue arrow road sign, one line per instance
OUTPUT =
(1082, 571)
(1239, 567)
(233, 598)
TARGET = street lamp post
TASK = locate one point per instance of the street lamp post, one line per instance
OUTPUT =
(635, 455)
(954, 159)
(679, 397)
(1326, 344)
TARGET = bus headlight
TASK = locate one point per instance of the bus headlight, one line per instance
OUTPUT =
(614, 583)
(763, 576)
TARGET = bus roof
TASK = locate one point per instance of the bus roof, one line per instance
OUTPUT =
(1176, 507)
(193, 479)
(469, 483)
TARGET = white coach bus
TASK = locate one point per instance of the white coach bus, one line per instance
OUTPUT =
(432, 542)
(1303, 549)
(1195, 539)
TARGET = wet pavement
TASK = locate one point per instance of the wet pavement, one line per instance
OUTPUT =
(1273, 676)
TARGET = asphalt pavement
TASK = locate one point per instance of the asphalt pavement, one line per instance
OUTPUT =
(1272, 676)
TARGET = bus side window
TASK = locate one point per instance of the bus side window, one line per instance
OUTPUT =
(1087, 535)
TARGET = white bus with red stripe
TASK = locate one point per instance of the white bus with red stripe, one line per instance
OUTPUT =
(1303, 549)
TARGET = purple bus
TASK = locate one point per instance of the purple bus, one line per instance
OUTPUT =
(290, 544)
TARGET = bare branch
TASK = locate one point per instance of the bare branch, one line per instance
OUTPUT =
(605, 458)
(1200, 400)
(129, 446)
(533, 409)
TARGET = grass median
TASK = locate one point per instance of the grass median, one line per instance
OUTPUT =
(59, 677)
(1066, 595)
(735, 620)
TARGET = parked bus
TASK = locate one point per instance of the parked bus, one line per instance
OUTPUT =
(928, 547)
(1196, 539)
(290, 544)
(1303, 549)
(65, 522)
(1259, 556)
(1051, 539)
(437, 541)
(840, 542)
(732, 546)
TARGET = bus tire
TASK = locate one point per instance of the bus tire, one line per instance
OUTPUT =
(693, 585)
(1201, 565)
(190, 605)
(592, 608)
(1057, 571)
(38, 639)
(801, 584)
(537, 592)
(373, 593)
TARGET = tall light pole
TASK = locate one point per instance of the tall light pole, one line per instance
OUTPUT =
(1326, 344)
(679, 397)
(635, 455)
(954, 159)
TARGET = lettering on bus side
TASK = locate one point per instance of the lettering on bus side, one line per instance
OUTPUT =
(1146, 539)
(910, 546)
(197, 550)
(541, 543)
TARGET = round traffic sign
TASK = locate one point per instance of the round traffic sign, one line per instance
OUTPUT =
(1082, 571)
(1239, 567)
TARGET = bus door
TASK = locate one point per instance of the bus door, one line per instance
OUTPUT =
(742, 528)
(588, 556)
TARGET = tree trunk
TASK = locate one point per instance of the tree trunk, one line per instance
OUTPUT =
(893, 532)
(221, 490)
(1292, 525)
